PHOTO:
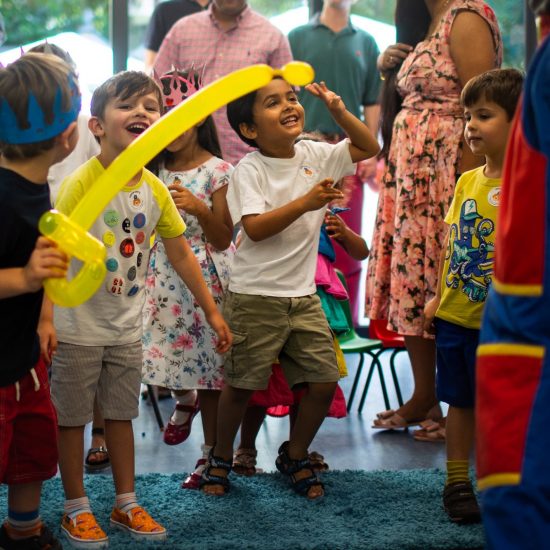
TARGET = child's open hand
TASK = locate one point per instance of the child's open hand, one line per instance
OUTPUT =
(335, 226)
(225, 338)
(46, 261)
(323, 193)
(333, 102)
(185, 200)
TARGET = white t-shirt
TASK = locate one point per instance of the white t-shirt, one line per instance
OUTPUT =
(86, 148)
(113, 315)
(284, 264)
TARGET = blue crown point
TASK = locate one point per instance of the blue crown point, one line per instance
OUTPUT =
(39, 129)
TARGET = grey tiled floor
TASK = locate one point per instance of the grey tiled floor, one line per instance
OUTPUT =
(347, 443)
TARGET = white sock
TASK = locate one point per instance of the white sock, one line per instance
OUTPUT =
(188, 398)
(126, 502)
(77, 506)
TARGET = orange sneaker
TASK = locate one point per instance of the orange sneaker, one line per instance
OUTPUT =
(138, 523)
(83, 531)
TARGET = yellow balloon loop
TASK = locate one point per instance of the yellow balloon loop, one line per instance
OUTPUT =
(70, 232)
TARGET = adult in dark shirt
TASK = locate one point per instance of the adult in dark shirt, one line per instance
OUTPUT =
(164, 16)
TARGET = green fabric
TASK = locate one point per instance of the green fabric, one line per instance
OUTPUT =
(333, 310)
(346, 61)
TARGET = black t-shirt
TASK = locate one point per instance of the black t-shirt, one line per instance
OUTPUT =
(23, 202)
(164, 16)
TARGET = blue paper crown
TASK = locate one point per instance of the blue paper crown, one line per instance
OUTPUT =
(39, 129)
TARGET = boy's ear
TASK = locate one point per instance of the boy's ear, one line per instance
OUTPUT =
(68, 137)
(248, 131)
(95, 126)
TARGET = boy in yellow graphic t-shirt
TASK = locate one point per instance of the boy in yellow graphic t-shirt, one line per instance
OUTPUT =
(465, 275)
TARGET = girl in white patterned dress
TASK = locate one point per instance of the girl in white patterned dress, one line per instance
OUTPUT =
(178, 344)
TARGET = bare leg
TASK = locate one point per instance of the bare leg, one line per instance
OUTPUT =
(460, 431)
(250, 426)
(71, 460)
(312, 411)
(231, 408)
(24, 497)
(422, 356)
(120, 440)
(208, 400)
(98, 435)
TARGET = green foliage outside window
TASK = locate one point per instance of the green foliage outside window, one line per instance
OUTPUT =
(30, 20)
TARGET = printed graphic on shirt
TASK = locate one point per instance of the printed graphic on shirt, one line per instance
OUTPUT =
(471, 253)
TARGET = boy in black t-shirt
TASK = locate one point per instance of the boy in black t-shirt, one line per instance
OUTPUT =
(39, 105)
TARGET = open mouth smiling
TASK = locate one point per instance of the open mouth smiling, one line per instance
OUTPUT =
(137, 128)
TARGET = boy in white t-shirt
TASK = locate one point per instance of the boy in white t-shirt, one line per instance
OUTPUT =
(279, 195)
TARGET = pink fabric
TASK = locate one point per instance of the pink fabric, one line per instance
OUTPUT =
(278, 397)
(326, 276)
(419, 181)
(198, 40)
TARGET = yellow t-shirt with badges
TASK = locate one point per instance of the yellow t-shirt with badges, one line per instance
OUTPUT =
(468, 269)
(113, 315)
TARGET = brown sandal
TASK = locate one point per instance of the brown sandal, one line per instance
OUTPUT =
(244, 462)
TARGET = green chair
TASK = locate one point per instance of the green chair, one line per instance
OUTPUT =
(351, 342)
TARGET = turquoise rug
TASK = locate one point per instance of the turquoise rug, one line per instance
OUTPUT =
(361, 510)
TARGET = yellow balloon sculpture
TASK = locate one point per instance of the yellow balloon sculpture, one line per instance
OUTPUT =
(70, 232)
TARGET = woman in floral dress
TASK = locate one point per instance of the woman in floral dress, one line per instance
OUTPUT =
(425, 157)
(179, 347)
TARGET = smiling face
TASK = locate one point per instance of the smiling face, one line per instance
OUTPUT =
(124, 120)
(487, 127)
(278, 119)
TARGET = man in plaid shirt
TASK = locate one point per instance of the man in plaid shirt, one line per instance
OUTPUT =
(226, 37)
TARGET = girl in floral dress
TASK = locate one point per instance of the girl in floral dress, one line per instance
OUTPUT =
(178, 344)
(425, 157)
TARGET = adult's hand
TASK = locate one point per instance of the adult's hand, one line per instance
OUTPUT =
(393, 56)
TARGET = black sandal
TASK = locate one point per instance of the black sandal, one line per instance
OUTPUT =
(460, 503)
(96, 465)
(215, 462)
(291, 467)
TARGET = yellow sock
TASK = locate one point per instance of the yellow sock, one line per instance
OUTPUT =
(457, 470)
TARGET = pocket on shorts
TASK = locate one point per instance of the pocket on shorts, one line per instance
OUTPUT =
(235, 363)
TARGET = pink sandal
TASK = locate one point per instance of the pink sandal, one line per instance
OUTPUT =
(192, 481)
(174, 434)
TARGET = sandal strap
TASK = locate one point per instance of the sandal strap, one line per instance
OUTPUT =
(98, 431)
(245, 458)
(93, 450)
(185, 408)
(287, 465)
(216, 462)
(302, 485)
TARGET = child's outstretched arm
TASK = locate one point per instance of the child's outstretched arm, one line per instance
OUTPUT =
(262, 226)
(363, 142)
(350, 241)
(46, 261)
(185, 263)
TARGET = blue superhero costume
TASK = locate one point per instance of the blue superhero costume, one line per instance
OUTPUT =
(513, 367)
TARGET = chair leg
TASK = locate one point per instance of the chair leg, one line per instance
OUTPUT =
(373, 365)
(382, 381)
(394, 375)
(155, 404)
(355, 381)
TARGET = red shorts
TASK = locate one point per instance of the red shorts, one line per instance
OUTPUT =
(28, 431)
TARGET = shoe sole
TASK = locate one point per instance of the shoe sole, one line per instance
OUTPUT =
(138, 535)
(87, 545)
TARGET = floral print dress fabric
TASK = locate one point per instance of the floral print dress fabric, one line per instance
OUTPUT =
(178, 344)
(419, 181)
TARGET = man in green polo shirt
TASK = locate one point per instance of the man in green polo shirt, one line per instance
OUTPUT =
(344, 57)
